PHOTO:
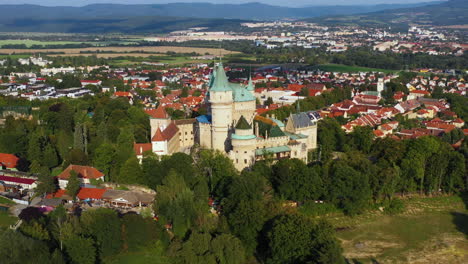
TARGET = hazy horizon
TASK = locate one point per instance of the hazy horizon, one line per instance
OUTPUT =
(297, 3)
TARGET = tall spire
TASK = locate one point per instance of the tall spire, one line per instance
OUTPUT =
(220, 83)
(250, 86)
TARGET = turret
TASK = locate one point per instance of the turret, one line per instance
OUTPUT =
(243, 144)
(221, 109)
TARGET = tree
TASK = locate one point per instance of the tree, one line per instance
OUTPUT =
(73, 185)
(138, 231)
(131, 172)
(47, 183)
(219, 170)
(104, 226)
(16, 248)
(293, 180)
(104, 158)
(348, 188)
(228, 249)
(175, 204)
(295, 239)
(50, 156)
(81, 250)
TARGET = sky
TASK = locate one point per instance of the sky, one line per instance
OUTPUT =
(290, 3)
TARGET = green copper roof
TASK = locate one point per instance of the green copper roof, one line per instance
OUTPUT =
(272, 131)
(242, 123)
(250, 86)
(220, 83)
(241, 94)
(295, 136)
(240, 137)
(274, 150)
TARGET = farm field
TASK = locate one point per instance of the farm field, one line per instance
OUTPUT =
(431, 230)
(346, 68)
(30, 42)
(123, 50)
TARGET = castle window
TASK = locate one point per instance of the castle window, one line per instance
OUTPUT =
(245, 152)
(245, 161)
(237, 161)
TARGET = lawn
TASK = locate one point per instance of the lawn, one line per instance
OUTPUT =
(429, 229)
(6, 201)
(150, 255)
(346, 68)
(6, 220)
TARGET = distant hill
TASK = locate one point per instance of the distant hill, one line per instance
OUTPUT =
(452, 12)
(159, 18)
(250, 11)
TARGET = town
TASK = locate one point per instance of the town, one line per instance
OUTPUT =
(234, 133)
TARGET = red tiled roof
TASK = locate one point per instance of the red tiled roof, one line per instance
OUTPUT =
(16, 180)
(167, 134)
(82, 171)
(140, 148)
(123, 94)
(8, 160)
(58, 194)
(90, 193)
(378, 133)
(158, 113)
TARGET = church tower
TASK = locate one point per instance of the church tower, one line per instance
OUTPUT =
(380, 86)
(221, 110)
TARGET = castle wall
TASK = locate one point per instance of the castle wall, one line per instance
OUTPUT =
(204, 135)
(242, 153)
(186, 136)
(246, 109)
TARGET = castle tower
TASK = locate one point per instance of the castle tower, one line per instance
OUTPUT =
(221, 110)
(158, 119)
(243, 145)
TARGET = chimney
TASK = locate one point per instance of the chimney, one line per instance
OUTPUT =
(85, 173)
(141, 149)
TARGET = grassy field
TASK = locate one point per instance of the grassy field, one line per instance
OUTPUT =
(6, 220)
(171, 60)
(6, 201)
(431, 230)
(346, 68)
(123, 50)
(29, 42)
(151, 255)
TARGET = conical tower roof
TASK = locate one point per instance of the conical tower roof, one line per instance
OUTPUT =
(220, 83)
(250, 86)
(243, 124)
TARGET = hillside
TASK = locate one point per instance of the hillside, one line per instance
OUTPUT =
(452, 12)
(250, 11)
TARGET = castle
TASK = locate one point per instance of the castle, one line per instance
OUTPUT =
(232, 127)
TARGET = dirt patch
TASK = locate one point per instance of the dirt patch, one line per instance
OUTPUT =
(367, 249)
(445, 249)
